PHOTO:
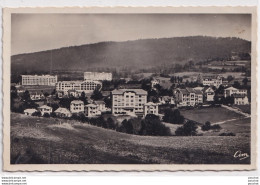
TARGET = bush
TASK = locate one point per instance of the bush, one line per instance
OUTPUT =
(227, 134)
(207, 126)
(36, 113)
(110, 123)
(152, 126)
(188, 129)
(46, 115)
(174, 117)
(126, 127)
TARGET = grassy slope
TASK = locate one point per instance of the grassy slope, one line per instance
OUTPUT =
(48, 140)
(213, 114)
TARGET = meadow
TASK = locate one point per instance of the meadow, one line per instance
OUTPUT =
(37, 140)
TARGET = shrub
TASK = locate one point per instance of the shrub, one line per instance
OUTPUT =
(126, 127)
(227, 134)
(46, 115)
(110, 123)
(36, 113)
(152, 126)
(206, 126)
(174, 117)
(188, 129)
(216, 127)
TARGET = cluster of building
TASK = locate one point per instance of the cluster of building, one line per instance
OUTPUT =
(76, 107)
(127, 101)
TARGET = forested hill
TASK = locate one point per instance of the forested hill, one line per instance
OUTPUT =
(137, 54)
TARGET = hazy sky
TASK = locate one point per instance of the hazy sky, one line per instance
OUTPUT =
(38, 32)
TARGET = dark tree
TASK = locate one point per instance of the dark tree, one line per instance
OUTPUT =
(188, 129)
(174, 117)
(26, 96)
(97, 95)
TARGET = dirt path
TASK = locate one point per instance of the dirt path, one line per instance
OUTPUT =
(236, 110)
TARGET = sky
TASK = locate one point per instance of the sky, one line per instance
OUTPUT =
(39, 32)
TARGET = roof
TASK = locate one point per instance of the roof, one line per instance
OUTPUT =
(62, 110)
(190, 90)
(30, 110)
(150, 103)
(77, 101)
(197, 91)
(231, 88)
(184, 91)
(239, 95)
(91, 105)
(99, 102)
(122, 91)
(44, 106)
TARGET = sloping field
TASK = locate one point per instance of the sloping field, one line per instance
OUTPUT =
(54, 141)
(212, 114)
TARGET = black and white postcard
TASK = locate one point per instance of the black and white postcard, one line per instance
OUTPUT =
(129, 89)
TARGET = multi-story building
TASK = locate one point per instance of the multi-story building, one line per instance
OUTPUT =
(63, 112)
(232, 90)
(87, 86)
(128, 101)
(210, 80)
(92, 110)
(240, 99)
(45, 110)
(151, 108)
(188, 97)
(97, 76)
(209, 94)
(39, 80)
(77, 106)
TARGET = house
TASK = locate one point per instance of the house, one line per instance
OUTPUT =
(166, 100)
(102, 76)
(209, 94)
(73, 93)
(210, 80)
(232, 90)
(154, 82)
(240, 99)
(87, 86)
(29, 112)
(37, 96)
(77, 106)
(128, 101)
(63, 112)
(188, 97)
(49, 80)
(101, 105)
(91, 110)
(151, 108)
(45, 109)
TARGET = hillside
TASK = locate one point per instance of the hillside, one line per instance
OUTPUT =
(135, 54)
(71, 142)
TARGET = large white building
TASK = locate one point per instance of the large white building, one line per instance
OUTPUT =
(97, 76)
(39, 80)
(232, 90)
(128, 101)
(211, 80)
(77, 106)
(151, 108)
(188, 97)
(87, 86)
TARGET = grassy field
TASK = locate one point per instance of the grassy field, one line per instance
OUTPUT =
(212, 114)
(53, 141)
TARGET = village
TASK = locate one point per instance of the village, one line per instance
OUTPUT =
(99, 95)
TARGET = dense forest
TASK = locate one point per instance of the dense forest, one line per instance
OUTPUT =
(139, 54)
